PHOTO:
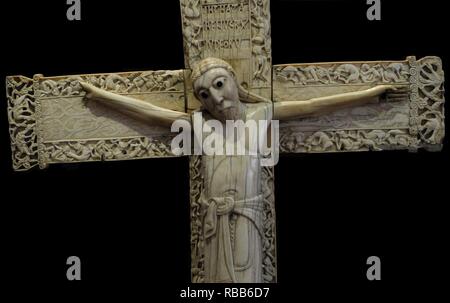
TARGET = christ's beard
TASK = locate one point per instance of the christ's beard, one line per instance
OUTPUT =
(231, 113)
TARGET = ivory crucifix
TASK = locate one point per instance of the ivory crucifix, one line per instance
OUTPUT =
(323, 107)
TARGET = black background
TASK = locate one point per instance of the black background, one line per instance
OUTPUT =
(129, 221)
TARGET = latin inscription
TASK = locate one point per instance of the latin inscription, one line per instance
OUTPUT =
(226, 28)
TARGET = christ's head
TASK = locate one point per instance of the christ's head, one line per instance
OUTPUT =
(215, 85)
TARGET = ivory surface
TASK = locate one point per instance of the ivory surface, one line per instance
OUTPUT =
(52, 121)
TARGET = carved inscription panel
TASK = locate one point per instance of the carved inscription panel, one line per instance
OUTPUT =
(237, 31)
(226, 30)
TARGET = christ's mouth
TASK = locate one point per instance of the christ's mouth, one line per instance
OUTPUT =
(225, 106)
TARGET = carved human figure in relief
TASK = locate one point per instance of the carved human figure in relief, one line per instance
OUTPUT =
(232, 199)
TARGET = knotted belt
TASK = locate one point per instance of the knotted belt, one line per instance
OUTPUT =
(217, 231)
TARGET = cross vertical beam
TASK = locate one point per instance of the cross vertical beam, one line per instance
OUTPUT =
(237, 31)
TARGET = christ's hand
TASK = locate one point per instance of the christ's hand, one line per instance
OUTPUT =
(395, 93)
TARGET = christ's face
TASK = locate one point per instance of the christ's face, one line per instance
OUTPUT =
(217, 91)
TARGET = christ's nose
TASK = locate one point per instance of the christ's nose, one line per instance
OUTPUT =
(216, 96)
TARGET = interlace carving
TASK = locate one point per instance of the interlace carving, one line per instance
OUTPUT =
(427, 101)
(134, 82)
(107, 149)
(343, 73)
(22, 122)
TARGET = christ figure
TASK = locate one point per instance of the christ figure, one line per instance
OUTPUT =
(231, 200)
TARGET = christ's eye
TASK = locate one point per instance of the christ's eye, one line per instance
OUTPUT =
(204, 95)
(219, 82)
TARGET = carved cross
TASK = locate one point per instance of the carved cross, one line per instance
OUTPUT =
(50, 123)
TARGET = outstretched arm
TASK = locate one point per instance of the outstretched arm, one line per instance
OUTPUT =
(299, 109)
(142, 110)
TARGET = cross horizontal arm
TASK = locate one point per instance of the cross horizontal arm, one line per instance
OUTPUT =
(415, 120)
(51, 122)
